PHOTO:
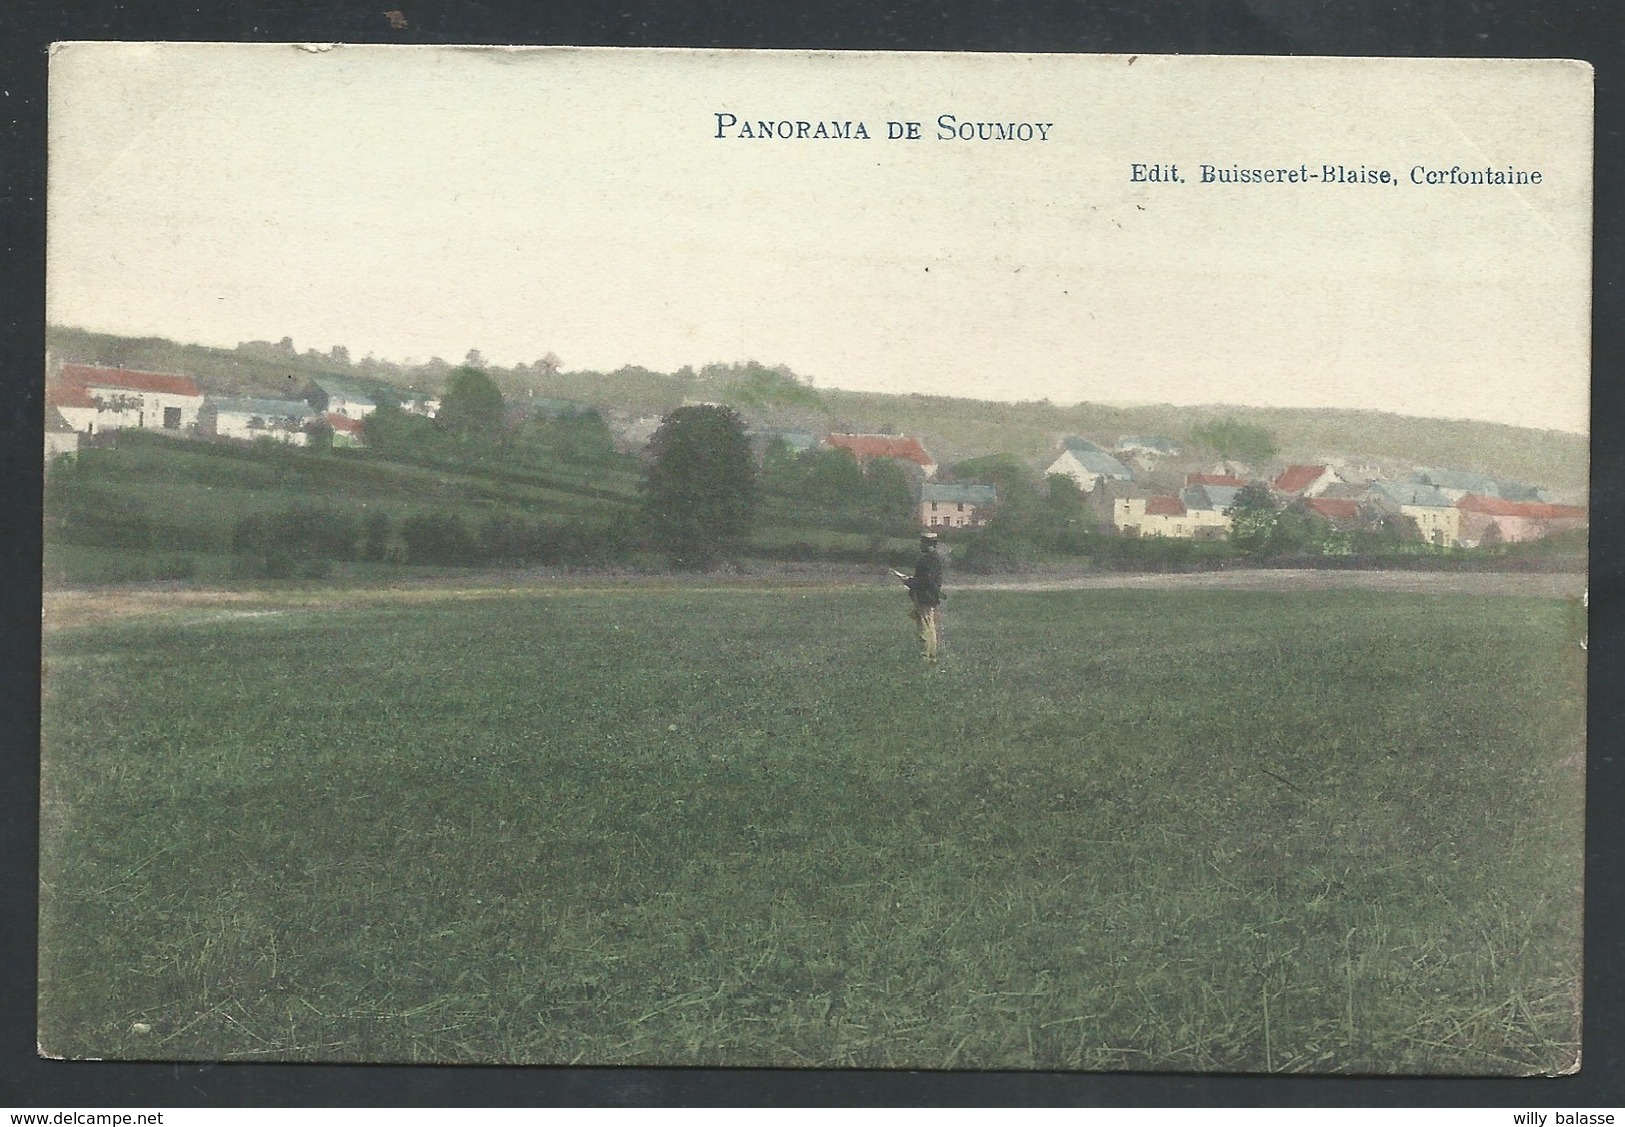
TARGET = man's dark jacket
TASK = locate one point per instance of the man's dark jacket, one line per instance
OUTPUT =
(926, 585)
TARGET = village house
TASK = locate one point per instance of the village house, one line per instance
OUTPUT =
(61, 440)
(1437, 518)
(1342, 513)
(346, 431)
(867, 447)
(333, 395)
(1456, 484)
(1209, 496)
(1495, 520)
(1158, 516)
(944, 505)
(1356, 471)
(281, 420)
(1146, 449)
(96, 400)
(1207, 510)
(416, 403)
(1305, 481)
(1088, 464)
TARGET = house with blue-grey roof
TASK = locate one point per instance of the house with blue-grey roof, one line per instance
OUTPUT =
(1088, 464)
(1436, 516)
(1456, 484)
(281, 420)
(955, 505)
(1218, 498)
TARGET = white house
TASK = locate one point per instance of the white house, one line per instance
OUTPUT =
(1156, 516)
(95, 400)
(282, 420)
(61, 440)
(1198, 513)
(1306, 481)
(1146, 449)
(1088, 464)
(344, 398)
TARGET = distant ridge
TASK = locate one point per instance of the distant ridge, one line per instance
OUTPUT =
(952, 429)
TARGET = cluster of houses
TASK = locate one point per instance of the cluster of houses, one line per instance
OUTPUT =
(1128, 484)
(83, 401)
(1448, 507)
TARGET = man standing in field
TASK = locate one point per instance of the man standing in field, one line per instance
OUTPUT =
(925, 591)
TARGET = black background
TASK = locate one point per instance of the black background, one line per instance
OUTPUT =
(1468, 28)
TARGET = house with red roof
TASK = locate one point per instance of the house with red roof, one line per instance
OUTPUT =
(1496, 520)
(867, 447)
(96, 400)
(1343, 512)
(1225, 479)
(346, 431)
(1168, 516)
(1305, 481)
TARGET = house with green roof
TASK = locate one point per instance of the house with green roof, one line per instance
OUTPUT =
(955, 505)
(281, 420)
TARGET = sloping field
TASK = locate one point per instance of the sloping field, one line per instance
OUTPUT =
(1221, 830)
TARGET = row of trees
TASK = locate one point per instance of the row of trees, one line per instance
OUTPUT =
(829, 489)
(472, 425)
(304, 541)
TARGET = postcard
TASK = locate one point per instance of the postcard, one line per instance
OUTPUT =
(815, 559)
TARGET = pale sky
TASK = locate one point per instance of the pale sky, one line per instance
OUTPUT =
(411, 202)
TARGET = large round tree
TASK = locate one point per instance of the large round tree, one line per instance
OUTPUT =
(699, 492)
(471, 406)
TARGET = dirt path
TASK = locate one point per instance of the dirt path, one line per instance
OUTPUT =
(1565, 585)
(66, 609)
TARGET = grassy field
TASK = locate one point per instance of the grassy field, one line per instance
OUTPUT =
(1331, 831)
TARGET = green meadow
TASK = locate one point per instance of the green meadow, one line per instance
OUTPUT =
(1220, 831)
